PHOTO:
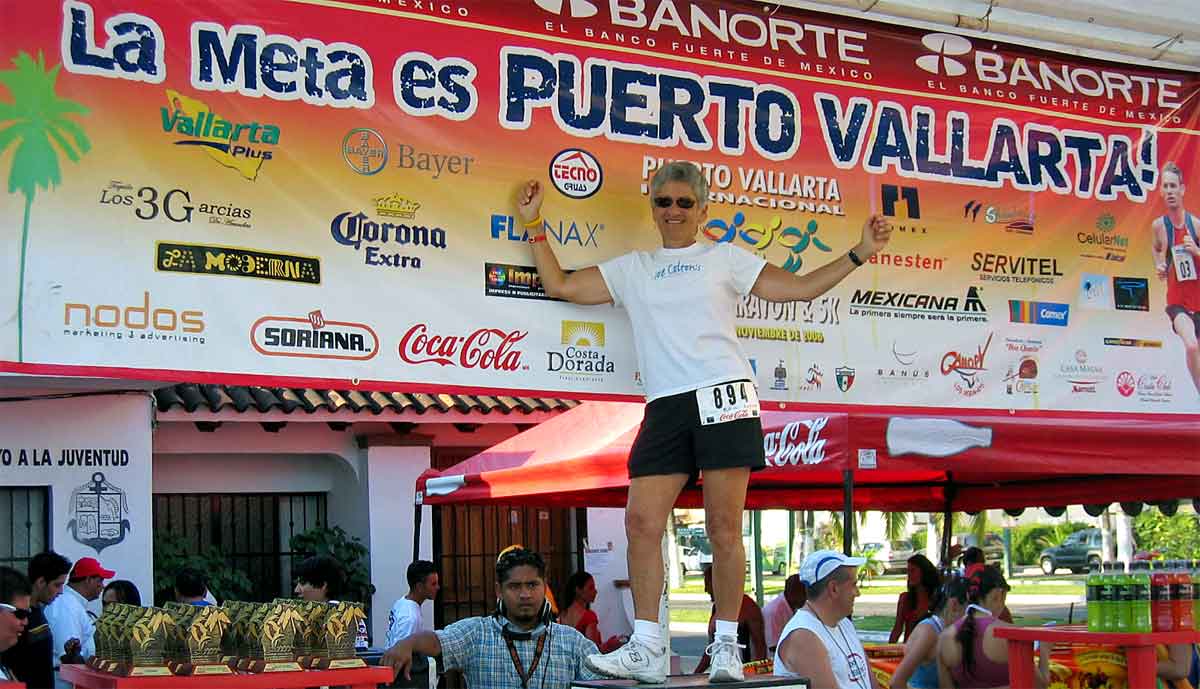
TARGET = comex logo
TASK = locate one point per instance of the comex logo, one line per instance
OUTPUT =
(944, 44)
(579, 9)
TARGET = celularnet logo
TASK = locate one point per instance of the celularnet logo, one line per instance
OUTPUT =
(944, 45)
(579, 9)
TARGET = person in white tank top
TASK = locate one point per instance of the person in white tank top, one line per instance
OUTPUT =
(819, 642)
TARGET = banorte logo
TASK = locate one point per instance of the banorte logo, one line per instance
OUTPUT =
(579, 9)
(576, 173)
(486, 348)
(944, 45)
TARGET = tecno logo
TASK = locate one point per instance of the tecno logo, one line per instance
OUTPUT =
(579, 9)
(141, 317)
(943, 46)
(576, 173)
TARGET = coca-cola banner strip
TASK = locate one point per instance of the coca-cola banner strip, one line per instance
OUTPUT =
(322, 194)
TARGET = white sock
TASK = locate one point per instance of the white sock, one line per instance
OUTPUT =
(648, 633)
(727, 629)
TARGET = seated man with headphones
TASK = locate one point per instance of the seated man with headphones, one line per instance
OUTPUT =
(518, 647)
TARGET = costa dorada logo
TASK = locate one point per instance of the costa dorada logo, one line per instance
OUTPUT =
(173, 205)
(581, 356)
(1126, 383)
(799, 442)
(486, 348)
(954, 56)
(921, 307)
(313, 337)
(242, 146)
(968, 367)
(205, 259)
(576, 173)
(356, 229)
(365, 151)
(133, 322)
(764, 188)
(1015, 268)
(579, 9)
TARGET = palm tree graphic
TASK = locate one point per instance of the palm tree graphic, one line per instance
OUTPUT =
(36, 120)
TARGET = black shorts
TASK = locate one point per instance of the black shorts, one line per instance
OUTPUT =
(1174, 310)
(672, 441)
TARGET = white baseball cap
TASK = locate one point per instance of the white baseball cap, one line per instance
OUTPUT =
(822, 563)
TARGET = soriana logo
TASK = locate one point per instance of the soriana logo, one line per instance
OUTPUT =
(486, 348)
(313, 338)
(576, 173)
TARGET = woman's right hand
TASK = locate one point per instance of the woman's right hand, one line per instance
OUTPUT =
(529, 201)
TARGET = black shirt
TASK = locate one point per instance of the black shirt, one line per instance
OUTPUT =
(31, 658)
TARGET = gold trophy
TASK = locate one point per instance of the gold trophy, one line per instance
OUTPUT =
(250, 641)
(313, 633)
(341, 631)
(114, 628)
(233, 642)
(200, 643)
(274, 637)
(149, 635)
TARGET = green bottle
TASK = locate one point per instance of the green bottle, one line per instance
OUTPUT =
(1095, 581)
(1107, 607)
(1124, 599)
(1140, 597)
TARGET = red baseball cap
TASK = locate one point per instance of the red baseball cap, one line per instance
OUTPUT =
(90, 567)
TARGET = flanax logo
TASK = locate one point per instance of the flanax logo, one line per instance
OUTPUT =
(243, 146)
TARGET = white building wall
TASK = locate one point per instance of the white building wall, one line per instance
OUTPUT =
(45, 429)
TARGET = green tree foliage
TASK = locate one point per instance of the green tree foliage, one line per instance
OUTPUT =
(347, 550)
(1028, 540)
(1175, 537)
(172, 553)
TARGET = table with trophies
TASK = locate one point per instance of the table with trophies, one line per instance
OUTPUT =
(277, 645)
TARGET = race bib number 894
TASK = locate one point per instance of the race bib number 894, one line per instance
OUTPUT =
(727, 402)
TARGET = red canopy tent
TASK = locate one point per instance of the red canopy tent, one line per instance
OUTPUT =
(894, 459)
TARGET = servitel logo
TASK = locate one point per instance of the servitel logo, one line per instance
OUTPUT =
(486, 348)
(582, 356)
(356, 229)
(313, 337)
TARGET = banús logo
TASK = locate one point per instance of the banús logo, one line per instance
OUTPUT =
(486, 348)
(313, 337)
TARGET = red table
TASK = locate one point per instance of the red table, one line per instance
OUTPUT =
(1141, 662)
(84, 677)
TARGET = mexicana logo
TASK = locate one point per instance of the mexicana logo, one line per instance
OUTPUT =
(1038, 312)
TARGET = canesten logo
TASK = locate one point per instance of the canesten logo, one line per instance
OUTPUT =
(487, 348)
(313, 337)
(579, 9)
(576, 173)
(944, 45)
(141, 317)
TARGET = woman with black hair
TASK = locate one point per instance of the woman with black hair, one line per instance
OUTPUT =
(577, 599)
(121, 591)
(970, 655)
(914, 604)
(918, 670)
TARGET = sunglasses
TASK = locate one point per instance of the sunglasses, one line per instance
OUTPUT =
(19, 613)
(666, 201)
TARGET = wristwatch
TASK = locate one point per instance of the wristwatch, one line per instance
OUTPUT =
(854, 258)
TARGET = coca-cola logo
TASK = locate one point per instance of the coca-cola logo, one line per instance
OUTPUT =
(486, 348)
(799, 442)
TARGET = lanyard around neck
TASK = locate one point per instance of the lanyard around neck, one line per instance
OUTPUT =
(516, 660)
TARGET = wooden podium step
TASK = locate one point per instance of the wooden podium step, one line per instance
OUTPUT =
(675, 681)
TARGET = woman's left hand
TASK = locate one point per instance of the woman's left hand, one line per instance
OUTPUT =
(875, 235)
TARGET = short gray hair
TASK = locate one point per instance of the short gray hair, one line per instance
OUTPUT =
(817, 589)
(681, 171)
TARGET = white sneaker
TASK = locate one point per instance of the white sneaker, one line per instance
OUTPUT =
(634, 660)
(726, 660)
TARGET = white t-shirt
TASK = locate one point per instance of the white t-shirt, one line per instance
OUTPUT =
(846, 654)
(682, 304)
(403, 621)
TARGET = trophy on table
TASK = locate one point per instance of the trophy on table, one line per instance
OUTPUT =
(274, 630)
(149, 632)
(312, 633)
(200, 643)
(341, 631)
